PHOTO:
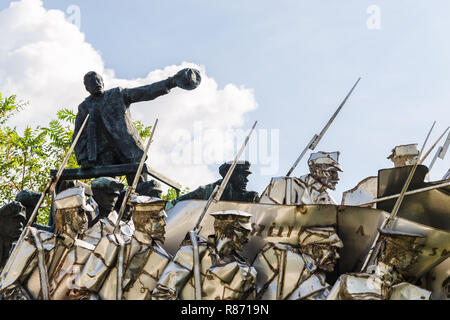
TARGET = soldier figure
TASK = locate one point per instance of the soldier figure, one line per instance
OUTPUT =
(12, 220)
(29, 200)
(142, 259)
(103, 218)
(367, 189)
(225, 275)
(308, 189)
(287, 272)
(235, 190)
(47, 264)
(110, 136)
(385, 280)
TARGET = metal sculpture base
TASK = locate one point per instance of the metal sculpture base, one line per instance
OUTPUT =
(114, 171)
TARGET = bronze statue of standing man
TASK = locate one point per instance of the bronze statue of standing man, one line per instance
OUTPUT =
(110, 136)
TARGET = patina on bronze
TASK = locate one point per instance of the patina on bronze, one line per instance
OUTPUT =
(12, 220)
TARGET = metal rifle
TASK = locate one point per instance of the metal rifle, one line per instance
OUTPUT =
(440, 153)
(388, 223)
(50, 186)
(123, 206)
(131, 188)
(316, 138)
(214, 197)
(407, 193)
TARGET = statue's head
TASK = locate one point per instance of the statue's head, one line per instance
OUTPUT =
(149, 217)
(150, 188)
(239, 178)
(29, 200)
(232, 226)
(106, 191)
(404, 155)
(71, 208)
(324, 167)
(400, 250)
(321, 244)
(94, 83)
(12, 221)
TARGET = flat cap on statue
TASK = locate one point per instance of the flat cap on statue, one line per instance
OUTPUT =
(108, 184)
(28, 198)
(242, 167)
(329, 158)
(144, 188)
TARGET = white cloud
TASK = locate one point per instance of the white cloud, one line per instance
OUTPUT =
(43, 59)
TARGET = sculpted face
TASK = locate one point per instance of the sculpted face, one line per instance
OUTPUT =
(241, 237)
(239, 181)
(152, 225)
(79, 222)
(327, 175)
(230, 228)
(72, 221)
(94, 83)
(105, 199)
(324, 255)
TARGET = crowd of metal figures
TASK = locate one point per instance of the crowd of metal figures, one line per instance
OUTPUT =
(111, 242)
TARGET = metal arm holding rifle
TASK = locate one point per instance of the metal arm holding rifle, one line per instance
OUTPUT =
(214, 197)
(316, 138)
(48, 188)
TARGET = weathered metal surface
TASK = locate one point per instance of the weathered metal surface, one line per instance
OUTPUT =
(438, 281)
(365, 191)
(227, 279)
(290, 191)
(357, 227)
(430, 208)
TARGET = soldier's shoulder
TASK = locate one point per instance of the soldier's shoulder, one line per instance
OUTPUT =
(114, 91)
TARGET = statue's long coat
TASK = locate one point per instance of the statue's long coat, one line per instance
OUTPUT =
(110, 118)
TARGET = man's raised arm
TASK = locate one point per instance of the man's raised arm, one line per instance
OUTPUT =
(187, 79)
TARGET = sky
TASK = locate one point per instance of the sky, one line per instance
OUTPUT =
(287, 64)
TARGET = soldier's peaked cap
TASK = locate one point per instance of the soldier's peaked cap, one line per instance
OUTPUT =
(329, 158)
(107, 183)
(148, 204)
(320, 235)
(404, 150)
(28, 198)
(242, 217)
(72, 198)
(147, 186)
(241, 167)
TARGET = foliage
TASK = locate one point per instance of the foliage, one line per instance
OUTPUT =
(26, 158)
(172, 194)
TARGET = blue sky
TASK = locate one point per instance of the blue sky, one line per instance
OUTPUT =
(300, 58)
